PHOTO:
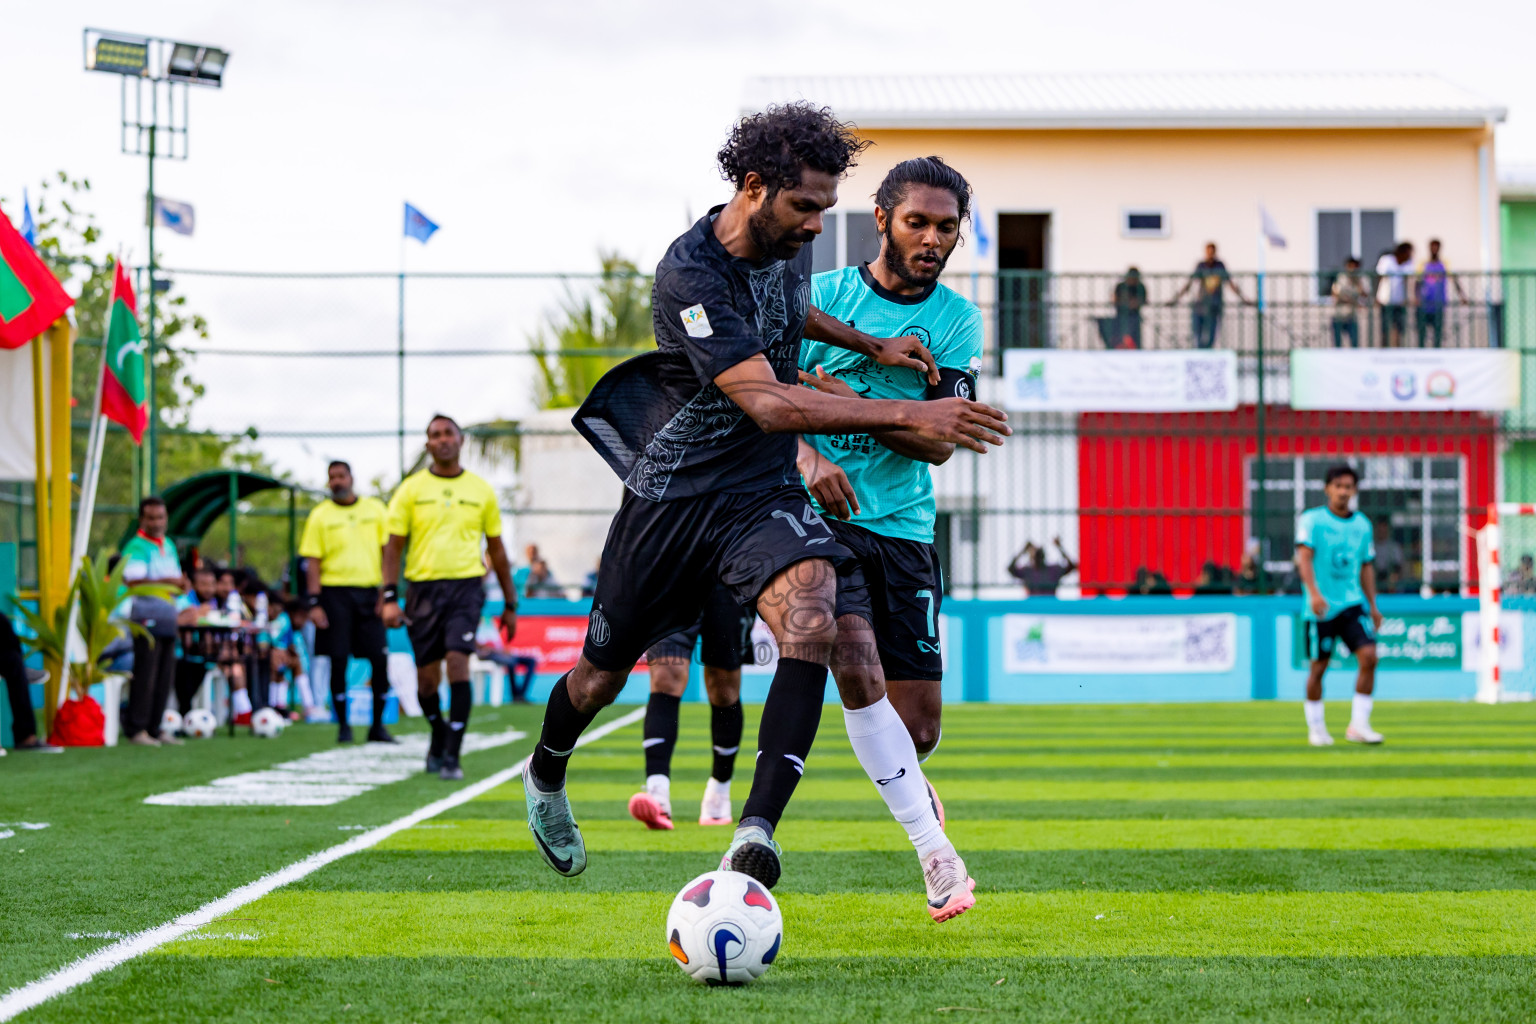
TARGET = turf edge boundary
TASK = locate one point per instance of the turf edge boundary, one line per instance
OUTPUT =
(19, 1000)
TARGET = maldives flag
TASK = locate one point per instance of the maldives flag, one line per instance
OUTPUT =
(122, 374)
(31, 298)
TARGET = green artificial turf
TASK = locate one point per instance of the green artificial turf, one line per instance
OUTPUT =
(1157, 863)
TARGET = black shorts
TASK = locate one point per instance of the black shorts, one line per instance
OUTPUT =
(897, 588)
(662, 560)
(355, 629)
(1352, 625)
(726, 626)
(443, 616)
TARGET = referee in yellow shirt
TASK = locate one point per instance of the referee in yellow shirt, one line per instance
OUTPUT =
(344, 542)
(438, 517)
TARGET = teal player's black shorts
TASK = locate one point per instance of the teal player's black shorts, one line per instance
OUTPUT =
(896, 588)
(1352, 626)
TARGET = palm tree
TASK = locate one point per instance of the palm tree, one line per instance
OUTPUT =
(611, 323)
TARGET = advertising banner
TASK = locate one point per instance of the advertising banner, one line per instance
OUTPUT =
(1450, 378)
(1049, 380)
(553, 640)
(1119, 644)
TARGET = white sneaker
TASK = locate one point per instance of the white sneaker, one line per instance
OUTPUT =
(949, 886)
(1361, 734)
(1319, 738)
(715, 808)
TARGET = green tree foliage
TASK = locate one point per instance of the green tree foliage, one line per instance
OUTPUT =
(611, 319)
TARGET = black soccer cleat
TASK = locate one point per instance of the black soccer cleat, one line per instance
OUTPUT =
(344, 732)
(379, 734)
(758, 861)
(450, 771)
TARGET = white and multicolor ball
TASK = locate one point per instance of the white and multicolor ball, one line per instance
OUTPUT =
(200, 723)
(268, 723)
(724, 928)
(170, 722)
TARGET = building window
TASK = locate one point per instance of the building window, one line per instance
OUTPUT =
(1363, 234)
(1420, 498)
(824, 251)
(1144, 222)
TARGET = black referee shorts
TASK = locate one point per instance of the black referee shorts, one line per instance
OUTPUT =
(443, 616)
(662, 559)
(896, 588)
(726, 627)
(354, 628)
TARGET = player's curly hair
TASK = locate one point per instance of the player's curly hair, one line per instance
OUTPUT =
(923, 170)
(785, 139)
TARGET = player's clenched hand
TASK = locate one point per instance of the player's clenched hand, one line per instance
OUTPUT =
(828, 384)
(908, 351)
(1376, 619)
(391, 613)
(827, 483)
(318, 617)
(1320, 606)
(958, 421)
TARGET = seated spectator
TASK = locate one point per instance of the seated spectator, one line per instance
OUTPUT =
(220, 637)
(290, 657)
(1040, 579)
(540, 581)
(494, 645)
(18, 687)
(1246, 581)
(1213, 579)
(520, 574)
(191, 662)
(1152, 584)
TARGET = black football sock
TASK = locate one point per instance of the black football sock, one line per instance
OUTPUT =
(563, 726)
(432, 710)
(339, 694)
(380, 682)
(790, 718)
(725, 737)
(660, 733)
(458, 717)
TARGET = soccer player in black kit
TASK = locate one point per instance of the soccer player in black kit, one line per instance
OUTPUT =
(703, 433)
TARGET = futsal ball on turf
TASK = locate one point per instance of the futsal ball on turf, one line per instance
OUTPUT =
(724, 928)
(267, 723)
(170, 722)
(200, 723)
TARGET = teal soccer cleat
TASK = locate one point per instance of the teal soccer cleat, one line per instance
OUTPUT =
(554, 830)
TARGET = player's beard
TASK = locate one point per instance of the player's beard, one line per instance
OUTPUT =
(773, 241)
(900, 263)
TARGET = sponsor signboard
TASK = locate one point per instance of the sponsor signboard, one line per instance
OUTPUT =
(1202, 380)
(1418, 379)
(1119, 644)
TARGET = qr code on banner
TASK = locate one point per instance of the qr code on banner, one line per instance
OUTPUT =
(1205, 380)
(1207, 643)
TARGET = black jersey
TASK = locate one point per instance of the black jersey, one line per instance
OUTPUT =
(659, 420)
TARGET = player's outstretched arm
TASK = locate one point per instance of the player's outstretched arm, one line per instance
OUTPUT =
(826, 481)
(902, 442)
(790, 409)
(908, 351)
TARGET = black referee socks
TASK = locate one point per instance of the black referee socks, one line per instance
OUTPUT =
(660, 735)
(458, 717)
(432, 711)
(563, 726)
(790, 718)
(725, 737)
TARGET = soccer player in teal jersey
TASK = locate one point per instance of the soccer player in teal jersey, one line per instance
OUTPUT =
(1335, 556)
(875, 487)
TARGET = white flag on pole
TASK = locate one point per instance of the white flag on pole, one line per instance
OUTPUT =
(1270, 229)
(174, 215)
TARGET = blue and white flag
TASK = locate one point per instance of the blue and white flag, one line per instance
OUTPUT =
(417, 225)
(174, 215)
(1269, 229)
(979, 228)
(28, 229)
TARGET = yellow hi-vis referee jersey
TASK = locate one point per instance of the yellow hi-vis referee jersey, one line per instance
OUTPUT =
(443, 519)
(348, 540)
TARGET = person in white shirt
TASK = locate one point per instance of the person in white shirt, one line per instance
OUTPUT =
(1394, 272)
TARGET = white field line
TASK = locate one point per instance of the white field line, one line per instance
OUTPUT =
(19, 1000)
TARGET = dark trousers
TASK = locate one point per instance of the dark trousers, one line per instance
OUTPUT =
(1431, 324)
(154, 670)
(14, 669)
(1346, 329)
(189, 680)
(513, 663)
(1205, 324)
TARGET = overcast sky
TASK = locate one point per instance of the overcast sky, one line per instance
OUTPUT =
(537, 134)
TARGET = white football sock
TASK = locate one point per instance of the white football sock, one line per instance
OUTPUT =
(240, 701)
(660, 787)
(1360, 711)
(886, 753)
(714, 787)
(1314, 713)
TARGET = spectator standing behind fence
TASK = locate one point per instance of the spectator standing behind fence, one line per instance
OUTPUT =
(1433, 279)
(1390, 558)
(150, 558)
(1394, 271)
(1210, 301)
(1040, 579)
(1123, 330)
(1350, 292)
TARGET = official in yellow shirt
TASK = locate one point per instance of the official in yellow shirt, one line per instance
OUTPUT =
(344, 543)
(439, 517)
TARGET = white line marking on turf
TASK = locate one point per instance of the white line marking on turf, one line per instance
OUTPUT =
(19, 1000)
(328, 777)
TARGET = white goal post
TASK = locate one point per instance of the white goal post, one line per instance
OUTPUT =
(1490, 599)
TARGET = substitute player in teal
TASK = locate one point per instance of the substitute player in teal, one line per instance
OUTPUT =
(1335, 556)
(877, 490)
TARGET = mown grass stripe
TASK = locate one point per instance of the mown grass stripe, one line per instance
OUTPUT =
(605, 925)
(1013, 834)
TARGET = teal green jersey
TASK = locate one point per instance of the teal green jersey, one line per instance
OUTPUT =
(1340, 547)
(895, 493)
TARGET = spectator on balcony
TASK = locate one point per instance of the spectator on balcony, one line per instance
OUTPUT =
(1433, 278)
(1350, 292)
(1393, 272)
(1210, 300)
(1040, 579)
(1123, 330)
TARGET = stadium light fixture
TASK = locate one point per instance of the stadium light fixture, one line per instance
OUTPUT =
(197, 65)
(117, 55)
